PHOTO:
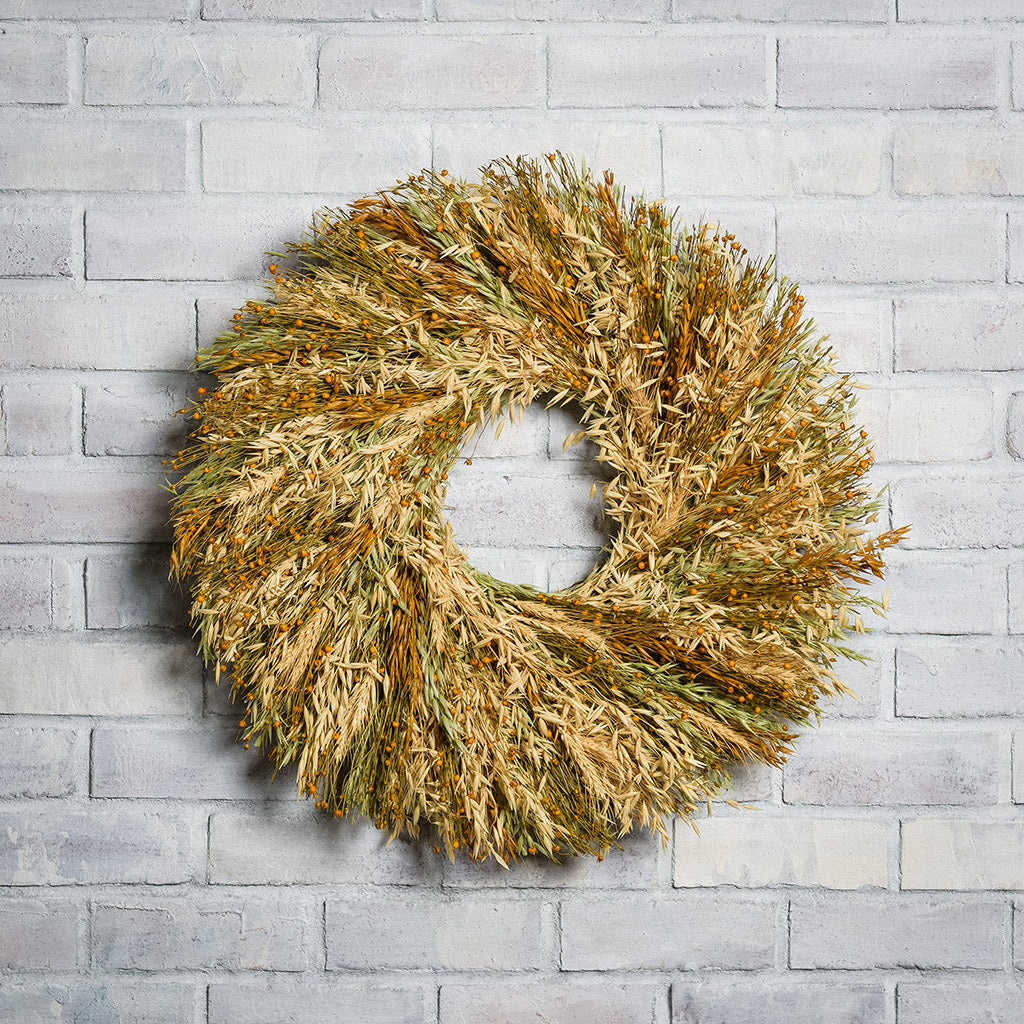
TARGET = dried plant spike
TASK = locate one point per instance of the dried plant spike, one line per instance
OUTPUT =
(406, 684)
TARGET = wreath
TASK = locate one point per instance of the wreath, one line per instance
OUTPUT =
(411, 686)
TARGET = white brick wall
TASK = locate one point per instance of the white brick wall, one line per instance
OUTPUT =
(150, 151)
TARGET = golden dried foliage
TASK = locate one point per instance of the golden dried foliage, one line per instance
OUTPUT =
(408, 685)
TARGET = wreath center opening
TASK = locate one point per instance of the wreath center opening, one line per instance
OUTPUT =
(525, 507)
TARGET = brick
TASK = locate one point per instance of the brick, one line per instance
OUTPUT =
(872, 681)
(786, 1002)
(90, 1002)
(194, 763)
(27, 593)
(423, 72)
(897, 71)
(416, 932)
(349, 157)
(631, 151)
(514, 566)
(779, 10)
(773, 160)
(960, 511)
(80, 10)
(548, 10)
(313, 10)
(42, 762)
(942, 595)
(35, 67)
(85, 506)
(39, 934)
(111, 156)
(42, 419)
(140, 332)
(635, 864)
(758, 851)
(79, 678)
(200, 934)
(862, 933)
(955, 159)
(959, 681)
(94, 846)
(300, 1002)
(1015, 248)
(958, 1002)
(132, 589)
(951, 10)
(488, 507)
(858, 768)
(966, 334)
(303, 847)
(962, 855)
(551, 1002)
(563, 572)
(38, 242)
(1015, 425)
(936, 425)
(858, 329)
(1018, 768)
(1015, 579)
(188, 243)
(690, 933)
(657, 71)
(889, 244)
(753, 224)
(137, 417)
(194, 69)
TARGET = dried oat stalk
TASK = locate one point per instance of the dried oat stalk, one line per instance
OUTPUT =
(406, 684)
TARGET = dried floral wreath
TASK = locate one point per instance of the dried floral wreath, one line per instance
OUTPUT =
(417, 689)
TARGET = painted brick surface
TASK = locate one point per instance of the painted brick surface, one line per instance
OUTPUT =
(108, 332)
(905, 767)
(291, 1002)
(351, 157)
(973, 334)
(808, 1003)
(561, 1003)
(38, 242)
(858, 933)
(195, 69)
(303, 848)
(116, 156)
(410, 932)
(114, 1001)
(131, 588)
(757, 851)
(35, 67)
(688, 933)
(176, 934)
(153, 870)
(939, 853)
(959, 680)
(430, 72)
(745, 160)
(898, 71)
(37, 935)
(671, 71)
(106, 678)
(42, 761)
(83, 847)
(967, 1001)
(41, 419)
(188, 243)
(194, 763)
